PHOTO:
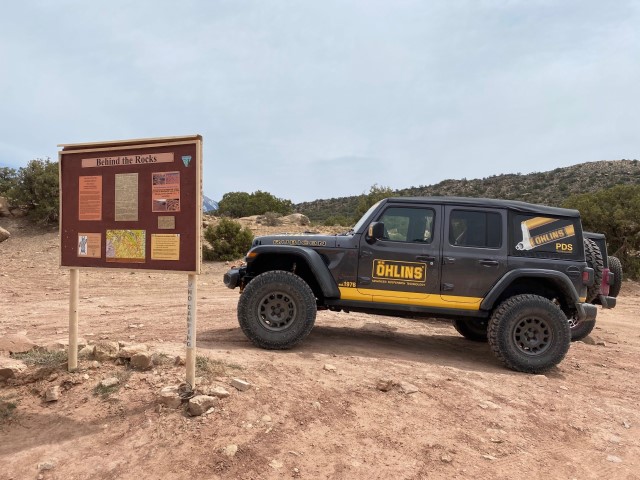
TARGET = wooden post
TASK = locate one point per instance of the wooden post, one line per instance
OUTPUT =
(192, 291)
(74, 287)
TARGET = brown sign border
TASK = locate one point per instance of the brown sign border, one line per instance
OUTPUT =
(194, 263)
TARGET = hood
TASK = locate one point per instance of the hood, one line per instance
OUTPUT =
(299, 240)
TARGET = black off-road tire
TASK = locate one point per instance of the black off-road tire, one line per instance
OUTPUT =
(580, 329)
(616, 267)
(474, 329)
(529, 333)
(277, 310)
(594, 260)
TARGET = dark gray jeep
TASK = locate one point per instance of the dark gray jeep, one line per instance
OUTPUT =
(508, 272)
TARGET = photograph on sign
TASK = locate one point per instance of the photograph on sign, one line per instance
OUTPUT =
(165, 246)
(166, 222)
(166, 192)
(89, 245)
(126, 246)
(90, 198)
(126, 197)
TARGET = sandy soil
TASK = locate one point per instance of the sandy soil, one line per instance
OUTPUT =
(471, 418)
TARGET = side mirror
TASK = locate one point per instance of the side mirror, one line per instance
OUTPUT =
(376, 231)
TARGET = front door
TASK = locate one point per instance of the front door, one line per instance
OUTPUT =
(403, 267)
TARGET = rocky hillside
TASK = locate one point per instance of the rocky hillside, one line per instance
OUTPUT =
(549, 188)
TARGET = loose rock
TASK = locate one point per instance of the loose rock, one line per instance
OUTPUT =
(87, 352)
(10, 368)
(408, 388)
(106, 350)
(169, 397)
(240, 384)
(179, 361)
(4, 235)
(614, 459)
(142, 361)
(200, 404)
(110, 382)
(446, 458)
(52, 394)
(230, 450)
(217, 392)
(588, 340)
(130, 350)
(276, 464)
(14, 343)
(330, 368)
(384, 385)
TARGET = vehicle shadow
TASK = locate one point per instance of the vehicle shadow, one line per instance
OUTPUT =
(438, 349)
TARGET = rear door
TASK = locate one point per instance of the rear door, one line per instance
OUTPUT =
(402, 267)
(474, 254)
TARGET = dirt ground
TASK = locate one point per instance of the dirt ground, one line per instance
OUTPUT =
(471, 417)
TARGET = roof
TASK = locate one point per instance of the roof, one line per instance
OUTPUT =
(132, 142)
(490, 202)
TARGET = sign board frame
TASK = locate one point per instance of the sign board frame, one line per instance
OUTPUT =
(93, 175)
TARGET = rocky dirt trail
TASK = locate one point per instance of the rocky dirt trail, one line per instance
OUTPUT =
(450, 410)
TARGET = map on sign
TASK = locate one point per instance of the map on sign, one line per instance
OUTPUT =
(127, 246)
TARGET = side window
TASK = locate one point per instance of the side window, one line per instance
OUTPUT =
(403, 224)
(473, 228)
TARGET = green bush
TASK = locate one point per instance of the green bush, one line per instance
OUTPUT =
(36, 188)
(367, 200)
(614, 212)
(8, 180)
(337, 220)
(243, 204)
(228, 240)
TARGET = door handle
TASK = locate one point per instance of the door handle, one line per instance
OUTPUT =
(426, 258)
(489, 263)
(365, 253)
(449, 260)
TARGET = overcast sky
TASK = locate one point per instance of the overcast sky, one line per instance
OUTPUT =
(319, 99)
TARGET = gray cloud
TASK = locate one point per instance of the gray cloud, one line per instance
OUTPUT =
(322, 99)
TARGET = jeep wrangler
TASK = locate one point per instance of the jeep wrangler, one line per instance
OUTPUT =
(607, 281)
(508, 272)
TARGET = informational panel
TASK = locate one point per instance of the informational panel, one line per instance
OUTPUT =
(132, 204)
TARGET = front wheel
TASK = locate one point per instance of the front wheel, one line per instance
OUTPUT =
(529, 333)
(277, 310)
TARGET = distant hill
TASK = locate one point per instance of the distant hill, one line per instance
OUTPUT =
(208, 205)
(548, 188)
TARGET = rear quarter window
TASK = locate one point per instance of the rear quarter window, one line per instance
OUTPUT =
(545, 237)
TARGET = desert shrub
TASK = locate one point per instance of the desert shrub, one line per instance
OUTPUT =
(337, 220)
(8, 180)
(614, 212)
(243, 204)
(229, 241)
(270, 219)
(366, 200)
(36, 188)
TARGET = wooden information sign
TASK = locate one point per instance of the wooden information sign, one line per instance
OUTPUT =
(132, 204)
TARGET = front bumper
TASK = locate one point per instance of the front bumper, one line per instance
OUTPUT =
(586, 311)
(232, 278)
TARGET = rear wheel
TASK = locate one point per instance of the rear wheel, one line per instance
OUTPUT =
(277, 310)
(529, 333)
(580, 329)
(474, 329)
(616, 267)
(594, 260)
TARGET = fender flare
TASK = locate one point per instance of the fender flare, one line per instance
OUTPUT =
(312, 258)
(559, 278)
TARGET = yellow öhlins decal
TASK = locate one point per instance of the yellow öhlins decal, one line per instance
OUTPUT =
(391, 271)
(531, 241)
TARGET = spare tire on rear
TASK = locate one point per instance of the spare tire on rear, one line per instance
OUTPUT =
(616, 267)
(594, 260)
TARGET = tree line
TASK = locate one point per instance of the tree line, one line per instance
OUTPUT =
(614, 211)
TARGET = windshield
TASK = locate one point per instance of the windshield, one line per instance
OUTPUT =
(365, 217)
